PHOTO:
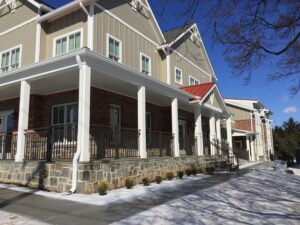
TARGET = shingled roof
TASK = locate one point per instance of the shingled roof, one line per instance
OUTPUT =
(200, 90)
(171, 35)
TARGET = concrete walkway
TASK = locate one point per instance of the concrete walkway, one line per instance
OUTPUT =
(254, 196)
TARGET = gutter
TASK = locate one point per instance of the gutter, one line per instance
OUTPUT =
(60, 11)
(78, 150)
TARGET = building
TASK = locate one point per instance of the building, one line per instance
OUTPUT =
(251, 129)
(99, 83)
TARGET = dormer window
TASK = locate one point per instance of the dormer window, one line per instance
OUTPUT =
(114, 50)
(10, 59)
(145, 64)
(67, 43)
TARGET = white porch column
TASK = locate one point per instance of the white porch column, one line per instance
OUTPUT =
(229, 132)
(212, 133)
(218, 126)
(175, 127)
(198, 130)
(83, 139)
(252, 149)
(23, 120)
(248, 146)
(141, 95)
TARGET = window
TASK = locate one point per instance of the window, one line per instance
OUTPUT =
(193, 81)
(68, 43)
(10, 59)
(64, 122)
(114, 49)
(145, 64)
(178, 76)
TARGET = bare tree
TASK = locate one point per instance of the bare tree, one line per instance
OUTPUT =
(254, 33)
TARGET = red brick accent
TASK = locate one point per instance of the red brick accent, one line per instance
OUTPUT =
(243, 125)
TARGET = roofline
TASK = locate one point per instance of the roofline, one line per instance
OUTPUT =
(155, 21)
(39, 5)
(238, 105)
(62, 9)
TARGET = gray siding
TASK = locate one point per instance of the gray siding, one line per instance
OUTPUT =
(69, 23)
(23, 13)
(187, 70)
(239, 113)
(138, 20)
(132, 44)
(24, 36)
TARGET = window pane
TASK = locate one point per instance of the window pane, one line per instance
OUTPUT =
(58, 47)
(77, 40)
(5, 61)
(72, 42)
(64, 45)
(111, 46)
(117, 49)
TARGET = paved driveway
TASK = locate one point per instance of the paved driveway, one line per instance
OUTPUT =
(255, 196)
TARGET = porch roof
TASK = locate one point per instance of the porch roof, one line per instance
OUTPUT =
(240, 133)
(199, 91)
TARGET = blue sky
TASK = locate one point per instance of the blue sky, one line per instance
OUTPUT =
(274, 95)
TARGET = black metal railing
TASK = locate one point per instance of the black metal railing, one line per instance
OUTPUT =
(51, 143)
(113, 142)
(159, 143)
(8, 146)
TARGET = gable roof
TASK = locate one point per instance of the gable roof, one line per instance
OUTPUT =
(172, 34)
(200, 91)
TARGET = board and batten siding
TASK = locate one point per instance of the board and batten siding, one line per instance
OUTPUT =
(67, 24)
(187, 70)
(23, 12)
(139, 20)
(24, 36)
(239, 113)
(132, 44)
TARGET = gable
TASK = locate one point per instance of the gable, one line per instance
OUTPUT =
(239, 113)
(194, 51)
(141, 20)
(24, 11)
(215, 100)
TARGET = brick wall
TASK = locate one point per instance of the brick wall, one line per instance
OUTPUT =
(243, 125)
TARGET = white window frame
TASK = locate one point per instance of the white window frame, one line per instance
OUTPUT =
(9, 58)
(65, 141)
(181, 80)
(67, 35)
(141, 64)
(107, 46)
(192, 77)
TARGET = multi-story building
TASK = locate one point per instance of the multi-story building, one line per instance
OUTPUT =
(95, 80)
(252, 130)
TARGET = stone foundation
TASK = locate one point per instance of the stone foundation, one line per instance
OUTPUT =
(56, 176)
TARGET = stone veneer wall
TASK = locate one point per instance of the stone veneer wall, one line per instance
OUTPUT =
(56, 176)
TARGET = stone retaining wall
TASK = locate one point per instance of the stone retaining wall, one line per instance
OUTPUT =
(56, 176)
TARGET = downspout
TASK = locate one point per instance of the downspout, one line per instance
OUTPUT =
(78, 150)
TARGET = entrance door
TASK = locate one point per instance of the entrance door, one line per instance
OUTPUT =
(182, 136)
(6, 127)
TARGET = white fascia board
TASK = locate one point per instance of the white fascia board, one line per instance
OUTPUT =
(62, 10)
(156, 23)
(229, 102)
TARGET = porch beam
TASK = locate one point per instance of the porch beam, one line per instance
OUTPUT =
(198, 130)
(23, 120)
(212, 133)
(141, 95)
(83, 138)
(175, 127)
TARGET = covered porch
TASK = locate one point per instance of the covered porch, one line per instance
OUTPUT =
(83, 102)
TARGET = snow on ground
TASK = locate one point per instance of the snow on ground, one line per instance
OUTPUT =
(295, 169)
(263, 197)
(121, 194)
(14, 219)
